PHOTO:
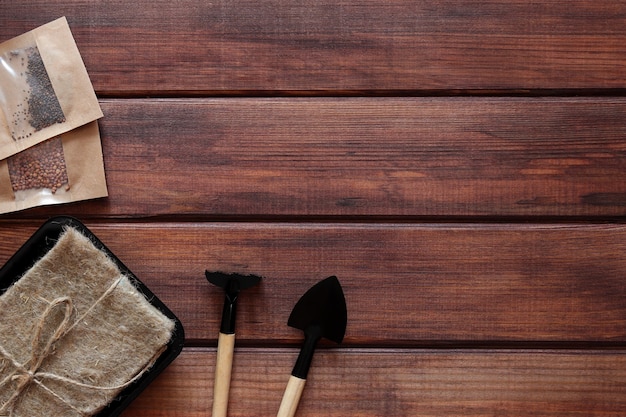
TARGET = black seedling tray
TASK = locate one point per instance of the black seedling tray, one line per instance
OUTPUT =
(39, 244)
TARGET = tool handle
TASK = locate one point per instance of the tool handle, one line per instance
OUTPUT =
(225, 349)
(291, 397)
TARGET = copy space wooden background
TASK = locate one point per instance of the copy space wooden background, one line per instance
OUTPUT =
(459, 165)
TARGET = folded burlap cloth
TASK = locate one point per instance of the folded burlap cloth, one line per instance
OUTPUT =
(74, 332)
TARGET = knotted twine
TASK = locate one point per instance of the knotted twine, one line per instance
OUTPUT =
(74, 332)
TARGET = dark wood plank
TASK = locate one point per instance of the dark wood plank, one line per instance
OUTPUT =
(194, 46)
(405, 285)
(411, 157)
(400, 383)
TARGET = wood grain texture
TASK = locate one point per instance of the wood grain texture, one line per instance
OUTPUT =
(409, 157)
(195, 46)
(405, 285)
(460, 166)
(445, 383)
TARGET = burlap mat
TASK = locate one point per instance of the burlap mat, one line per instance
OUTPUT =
(74, 332)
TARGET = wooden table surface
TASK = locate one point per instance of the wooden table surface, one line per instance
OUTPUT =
(460, 166)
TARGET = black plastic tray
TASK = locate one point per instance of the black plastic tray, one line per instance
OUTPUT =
(39, 244)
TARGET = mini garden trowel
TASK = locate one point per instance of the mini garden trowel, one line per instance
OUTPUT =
(232, 284)
(320, 312)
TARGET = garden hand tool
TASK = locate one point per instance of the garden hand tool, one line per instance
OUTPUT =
(320, 312)
(232, 285)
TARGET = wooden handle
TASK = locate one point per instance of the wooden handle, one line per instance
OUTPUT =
(291, 397)
(225, 349)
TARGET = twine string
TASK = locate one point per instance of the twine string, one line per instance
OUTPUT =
(29, 373)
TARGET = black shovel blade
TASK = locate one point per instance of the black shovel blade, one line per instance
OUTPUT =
(322, 307)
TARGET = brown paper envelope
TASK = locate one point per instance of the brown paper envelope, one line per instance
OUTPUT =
(67, 75)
